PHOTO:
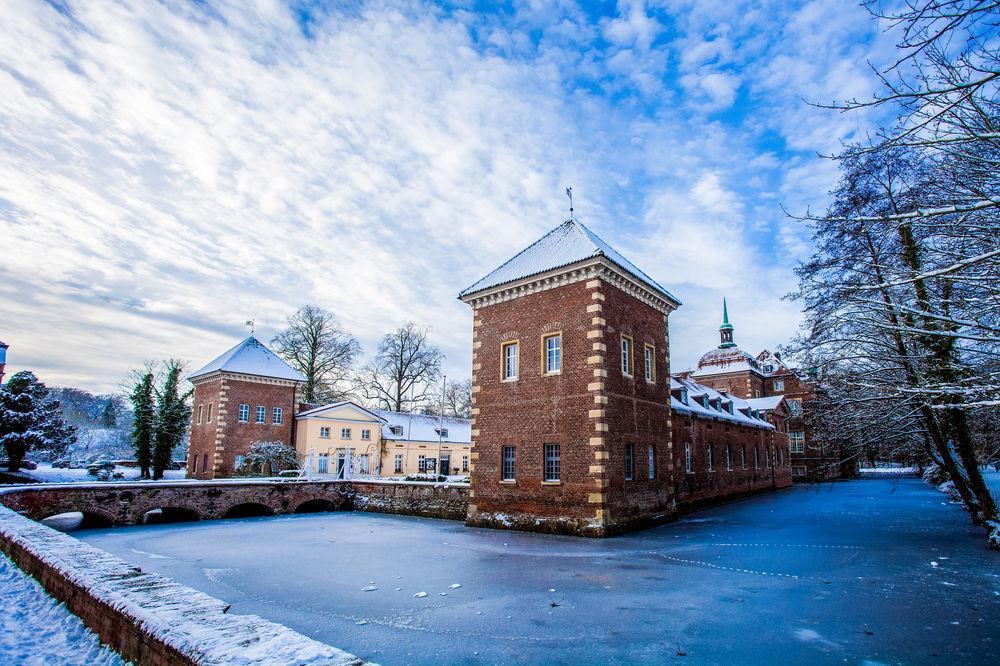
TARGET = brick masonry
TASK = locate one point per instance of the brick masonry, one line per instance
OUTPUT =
(589, 409)
(217, 438)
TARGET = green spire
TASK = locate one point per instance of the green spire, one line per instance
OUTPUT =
(726, 329)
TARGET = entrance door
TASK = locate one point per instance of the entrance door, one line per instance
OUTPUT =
(340, 465)
(445, 465)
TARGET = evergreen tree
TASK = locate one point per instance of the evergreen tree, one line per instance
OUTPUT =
(144, 423)
(29, 420)
(109, 413)
(172, 414)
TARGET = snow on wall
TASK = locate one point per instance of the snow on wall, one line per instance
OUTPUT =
(186, 623)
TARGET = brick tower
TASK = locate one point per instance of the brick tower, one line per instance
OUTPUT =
(571, 390)
(246, 395)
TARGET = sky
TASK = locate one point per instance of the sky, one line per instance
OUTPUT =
(169, 170)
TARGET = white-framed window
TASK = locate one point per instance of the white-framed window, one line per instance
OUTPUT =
(756, 457)
(345, 433)
(244, 413)
(366, 434)
(465, 463)
(798, 471)
(796, 441)
(277, 415)
(261, 414)
(743, 457)
(552, 345)
(442, 432)
(650, 364)
(324, 432)
(209, 419)
(397, 462)
(551, 452)
(396, 430)
(794, 406)
(711, 458)
(769, 368)
(729, 459)
(238, 461)
(688, 459)
(323, 463)
(626, 356)
(510, 360)
(629, 461)
(421, 462)
(651, 462)
(779, 385)
(508, 464)
(200, 410)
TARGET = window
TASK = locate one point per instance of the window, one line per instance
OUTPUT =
(508, 470)
(651, 462)
(756, 457)
(366, 434)
(345, 433)
(239, 461)
(650, 363)
(626, 356)
(779, 385)
(769, 368)
(509, 361)
(442, 432)
(629, 462)
(551, 463)
(324, 432)
(422, 462)
(398, 463)
(798, 471)
(277, 415)
(465, 463)
(323, 463)
(204, 462)
(688, 459)
(729, 462)
(244, 413)
(743, 457)
(711, 459)
(794, 406)
(684, 396)
(397, 430)
(200, 408)
(261, 414)
(209, 419)
(552, 350)
(796, 441)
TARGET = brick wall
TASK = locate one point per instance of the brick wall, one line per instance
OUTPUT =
(590, 410)
(204, 431)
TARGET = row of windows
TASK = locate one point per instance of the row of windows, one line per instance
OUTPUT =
(425, 465)
(551, 461)
(551, 361)
(345, 433)
(277, 414)
(727, 452)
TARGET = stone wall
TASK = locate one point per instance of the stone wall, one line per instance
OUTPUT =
(146, 617)
(430, 500)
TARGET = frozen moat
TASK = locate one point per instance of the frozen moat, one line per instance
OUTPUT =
(879, 570)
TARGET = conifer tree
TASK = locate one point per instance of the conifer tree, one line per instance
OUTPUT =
(144, 423)
(172, 414)
(29, 420)
(109, 413)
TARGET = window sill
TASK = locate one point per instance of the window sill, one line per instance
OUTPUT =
(508, 482)
(552, 374)
(551, 483)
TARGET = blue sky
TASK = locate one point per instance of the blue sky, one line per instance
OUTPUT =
(168, 170)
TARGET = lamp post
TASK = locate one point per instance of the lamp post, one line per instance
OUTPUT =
(437, 463)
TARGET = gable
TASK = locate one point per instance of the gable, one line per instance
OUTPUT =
(346, 411)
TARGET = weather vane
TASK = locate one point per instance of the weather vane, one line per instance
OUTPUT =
(569, 193)
(250, 323)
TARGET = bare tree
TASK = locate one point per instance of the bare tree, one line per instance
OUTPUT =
(402, 372)
(316, 345)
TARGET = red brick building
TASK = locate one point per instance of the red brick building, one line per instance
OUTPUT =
(246, 395)
(779, 391)
(572, 428)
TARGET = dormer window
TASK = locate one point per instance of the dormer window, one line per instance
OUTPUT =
(684, 396)
(396, 430)
(768, 368)
(442, 432)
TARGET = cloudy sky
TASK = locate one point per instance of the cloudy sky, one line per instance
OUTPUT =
(170, 169)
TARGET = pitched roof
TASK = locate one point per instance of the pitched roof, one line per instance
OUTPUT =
(320, 410)
(767, 403)
(423, 427)
(250, 357)
(567, 244)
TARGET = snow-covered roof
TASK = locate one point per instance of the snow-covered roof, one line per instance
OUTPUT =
(318, 411)
(569, 243)
(250, 357)
(695, 408)
(423, 427)
(766, 404)
(725, 359)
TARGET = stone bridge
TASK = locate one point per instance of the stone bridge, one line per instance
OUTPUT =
(117, 504)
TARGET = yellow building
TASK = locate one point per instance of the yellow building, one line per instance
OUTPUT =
(381, 442)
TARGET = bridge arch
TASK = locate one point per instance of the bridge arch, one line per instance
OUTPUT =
(319, 505)
(168, 514)
(248, 510)
(76, 519)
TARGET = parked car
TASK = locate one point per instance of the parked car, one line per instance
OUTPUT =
(60, 463)
(28, 464)
(99, 466)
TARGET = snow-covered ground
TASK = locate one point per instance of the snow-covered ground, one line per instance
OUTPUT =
(888, 471)
(46, 473)
(993, 481)
(36, 629)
